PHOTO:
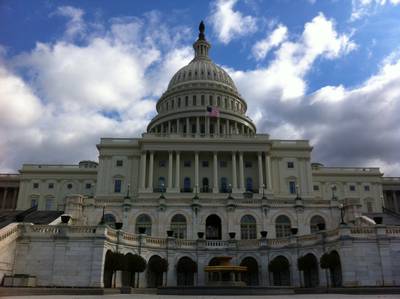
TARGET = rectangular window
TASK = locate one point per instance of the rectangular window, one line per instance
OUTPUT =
(88, 185)
(117, 186)
(223, 164)
(316, 188)
(49, 204)
(352, 188)
(51, 185)
(119, 163)
(194, 101)
(248, 164)
(204, 163)
(290, 165)
(366, 188)
(187, 163)
(162, 163)
(292, 187)
(35, 185)
(34, 203)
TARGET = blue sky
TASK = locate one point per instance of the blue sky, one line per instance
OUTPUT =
(74, 71)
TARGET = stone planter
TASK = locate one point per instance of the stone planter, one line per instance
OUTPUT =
(170, 233)
(378, 220)
(200, 235)
(321, 226)
(142, 230)
(294, 230)
(118, 225)
(232, 235)
(263, 233)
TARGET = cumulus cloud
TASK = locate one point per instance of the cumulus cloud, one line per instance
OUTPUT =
(262, 47)
(58, 99)
(229, 24)
(362, 8)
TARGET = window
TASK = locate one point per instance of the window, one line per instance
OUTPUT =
(316, 223)
(178, 226)
(143, 222)
(117, 186)
(49, 204)
(69, 186)
(202, 100)
(249, 184)
(205, 186)
(109, 219)
(35, 185)
(282, 226)
(223, 164)
(369, 207)
(292, 187)
(162, 163)
(316, 188)
(366, 188)
(194, 101)
(51, 185)
(187, 185)
(248, 227)
(224, 185)
(88, 185)
(204, 163)
(186, 101)
(352, 188)
(193, 128)
(119, 163)
(187, 163)
(248, 164)
(34, 202)
(290, 165)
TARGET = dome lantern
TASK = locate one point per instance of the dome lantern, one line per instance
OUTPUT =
(201, 46)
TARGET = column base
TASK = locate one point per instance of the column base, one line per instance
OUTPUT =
(215, 190)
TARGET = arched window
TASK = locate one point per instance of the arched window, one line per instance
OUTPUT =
(117, 185)
(224, 185)
(282, 226)
(249, 184)
(248, 227)
(109, 219)
(213, 227)
(316, 223)
(143, 222)
(187, 185)
(205, 185)
(49, 203)
(178, 226)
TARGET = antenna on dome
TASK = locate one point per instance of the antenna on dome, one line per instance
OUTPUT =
(202, 28)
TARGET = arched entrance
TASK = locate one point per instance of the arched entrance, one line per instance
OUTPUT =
(251, 276)
(309, 265)
(108, 270)
(213, 227)
(335, 269)
(155, 271)
(185, 271)
(280, 269)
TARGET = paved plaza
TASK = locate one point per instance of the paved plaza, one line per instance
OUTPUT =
(146, 296)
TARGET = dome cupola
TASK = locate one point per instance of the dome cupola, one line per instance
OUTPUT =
(201, 100)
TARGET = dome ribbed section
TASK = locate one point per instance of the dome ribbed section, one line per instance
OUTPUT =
(202, 70)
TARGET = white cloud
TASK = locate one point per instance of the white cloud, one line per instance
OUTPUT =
(262, 47)
(72, 94)
(362, 8)
(75, 26)
(228, 23)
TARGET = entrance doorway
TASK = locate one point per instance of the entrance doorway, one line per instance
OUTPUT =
(213, 227)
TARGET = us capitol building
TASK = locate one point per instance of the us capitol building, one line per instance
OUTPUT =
(199, 184)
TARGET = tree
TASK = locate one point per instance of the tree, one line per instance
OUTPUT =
(135, 263)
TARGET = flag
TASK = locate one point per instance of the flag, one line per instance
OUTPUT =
(213, 111)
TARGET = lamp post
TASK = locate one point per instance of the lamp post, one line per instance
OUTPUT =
(102, 216)
(127, 191)
(141, 232)
(297, 192)
(230, 191)
(342, 211)
(262, 191)
(162, 191)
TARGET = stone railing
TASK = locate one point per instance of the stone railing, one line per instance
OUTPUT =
(129, 239)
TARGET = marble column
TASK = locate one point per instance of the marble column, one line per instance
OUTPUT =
(187, 125)
(177, 125)
(198, 125)
(234, 175)
(151, 168)
(207, 125)
(169, 127)
(215, 173)
(228, 130)
(177, 171)
(268, 179)
(217, 129)
(170, 158)
(196, 171)
(260, 173)
(241, 172)
(143, 159)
